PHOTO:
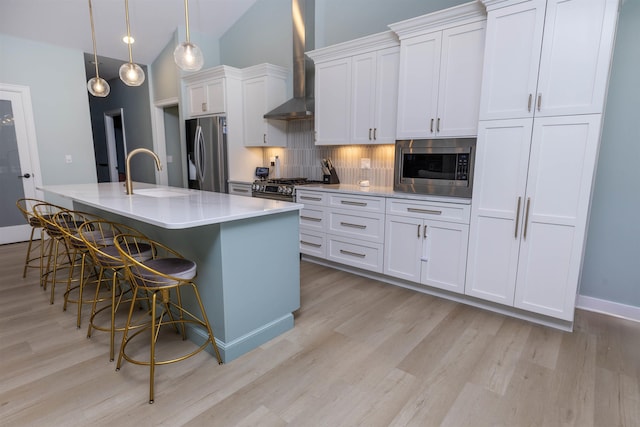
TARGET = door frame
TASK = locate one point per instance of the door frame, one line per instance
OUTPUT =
(159, 139)
(26, 139)
(110, 136)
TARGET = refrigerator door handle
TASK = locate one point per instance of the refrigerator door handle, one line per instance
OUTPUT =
(198, 149)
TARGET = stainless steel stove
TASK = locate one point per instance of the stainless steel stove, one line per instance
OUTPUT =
(279, 189)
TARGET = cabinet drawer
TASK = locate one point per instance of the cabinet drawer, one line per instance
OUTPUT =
(365, 255)
(240, 189)
(356, 225)
(313, 243)
(430, 210)
(359, 203)
(311, 197)
(312, 218)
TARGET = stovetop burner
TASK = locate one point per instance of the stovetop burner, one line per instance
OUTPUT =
(279, 188)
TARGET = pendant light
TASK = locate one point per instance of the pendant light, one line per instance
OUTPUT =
(131, 74)
(187, 55)
(97, 86)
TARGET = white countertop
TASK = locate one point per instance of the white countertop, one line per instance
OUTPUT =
(170, 207)
(383, 192)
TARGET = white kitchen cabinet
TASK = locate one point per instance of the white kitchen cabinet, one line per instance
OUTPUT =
(441, 58)
(207, 98)
(263, 89)
(374, 97)
(421, 249)
(356, 91)
(563, 73)
(240, 188)
(529, 213)
(313, 237)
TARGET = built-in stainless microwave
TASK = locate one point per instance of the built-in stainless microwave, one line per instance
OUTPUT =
(441, 167)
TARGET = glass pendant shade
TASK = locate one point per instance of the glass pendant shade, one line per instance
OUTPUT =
(98, 86)
(188, 56)
(131, 74)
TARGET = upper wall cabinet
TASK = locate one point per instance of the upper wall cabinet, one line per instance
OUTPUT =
(356, 91)
(206, 90)
(263, 89)
(441, 58)
(563, 75)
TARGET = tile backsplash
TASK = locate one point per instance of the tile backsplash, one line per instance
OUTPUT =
(301, 158)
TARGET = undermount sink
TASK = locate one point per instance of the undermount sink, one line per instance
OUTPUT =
(159, 192)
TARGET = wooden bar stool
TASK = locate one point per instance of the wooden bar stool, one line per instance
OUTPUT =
(166, 273)
(98, 239)
(25, 205)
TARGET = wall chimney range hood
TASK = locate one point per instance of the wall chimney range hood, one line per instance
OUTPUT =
(301, 106)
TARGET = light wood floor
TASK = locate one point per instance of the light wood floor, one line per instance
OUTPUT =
(361, 353)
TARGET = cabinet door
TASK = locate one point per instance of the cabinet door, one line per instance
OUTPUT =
(444, 255)
(197, 99)
(576, 55)
(216, 97)
(403, 247)
(563, 158)
(460, 80)
(363, 98)
(511, 58)
(386, 100)
(333, 106)
(418, 85)
(497, 208)
(254, 94)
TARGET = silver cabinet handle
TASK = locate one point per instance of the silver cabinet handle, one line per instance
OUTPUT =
(342, 251)
(310, 218)
(424, 211)
(515, 233)
(374, 133)
(431, 127)
(438, 125)
(315, 245)
(204, 106)
(526, 218)
(369, 134)
(529, 103)
(315, 199)
(347, 202)
(418, 231)
(539, 101)
(264, 138)
(424, 231)
(348, 224)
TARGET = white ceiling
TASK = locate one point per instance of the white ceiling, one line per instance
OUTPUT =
(153, 22)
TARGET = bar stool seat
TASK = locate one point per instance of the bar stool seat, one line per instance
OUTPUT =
(166, 273)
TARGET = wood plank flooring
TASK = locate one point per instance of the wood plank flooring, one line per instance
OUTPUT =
(362, 353)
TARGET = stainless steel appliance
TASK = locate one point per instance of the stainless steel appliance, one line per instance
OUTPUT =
(442, 167)
(207, 153)
(279, 189)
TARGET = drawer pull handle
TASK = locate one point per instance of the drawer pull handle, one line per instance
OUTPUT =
(315, 245)
(526, 218)
(347, 202)
(348, 224)
(424, 211)
(342, 251)
(310, 218)
(315, 199)
(240, 190)
(515, 234)
(529, 103)
(418, 231)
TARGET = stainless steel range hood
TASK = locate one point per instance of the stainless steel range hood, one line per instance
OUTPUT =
(301, 106)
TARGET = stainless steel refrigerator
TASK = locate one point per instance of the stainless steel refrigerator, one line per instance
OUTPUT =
(207, 153)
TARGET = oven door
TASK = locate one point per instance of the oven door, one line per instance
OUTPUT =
(441, 167)
(273, 196)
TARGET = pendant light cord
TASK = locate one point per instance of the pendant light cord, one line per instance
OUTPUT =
(186, 18)
(93, 36)
(126, 12)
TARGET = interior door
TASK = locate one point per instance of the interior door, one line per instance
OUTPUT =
(19, 165)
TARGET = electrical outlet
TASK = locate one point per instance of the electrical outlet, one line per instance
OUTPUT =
(365, 163)
(169, 159)
(68, 158)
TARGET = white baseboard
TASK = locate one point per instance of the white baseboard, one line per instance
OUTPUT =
(608, 307)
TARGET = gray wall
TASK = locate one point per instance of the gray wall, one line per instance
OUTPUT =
(60, 105)
(610, 270)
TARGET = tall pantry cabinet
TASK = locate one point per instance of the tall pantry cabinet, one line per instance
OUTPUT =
(545, 75)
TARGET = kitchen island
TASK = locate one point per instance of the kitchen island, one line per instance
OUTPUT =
(246, 250)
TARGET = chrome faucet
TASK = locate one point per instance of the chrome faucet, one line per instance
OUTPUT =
(128, 184)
